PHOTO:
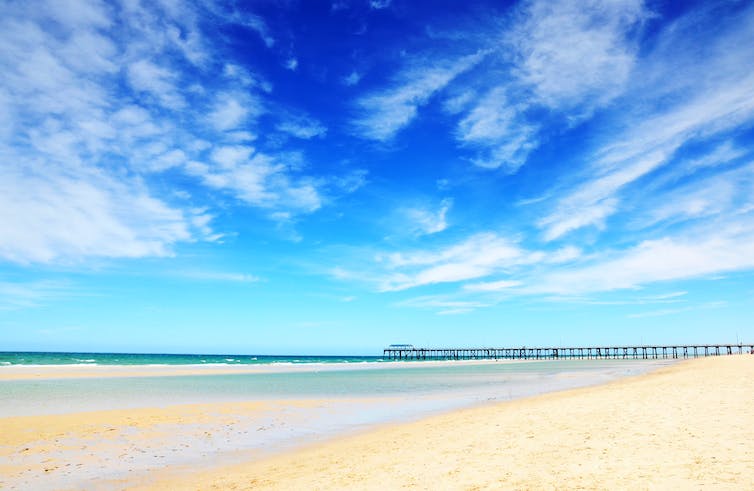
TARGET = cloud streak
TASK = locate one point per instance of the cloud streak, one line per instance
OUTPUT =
(383, 114)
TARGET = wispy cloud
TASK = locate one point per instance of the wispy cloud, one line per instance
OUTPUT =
(707, 251)
(476, 257)
(384, 113)
(423, 221)
(667, 296)
(704, 197)
(575, 56)
(156, 81)
(380, 4)
(352, 79)
(442, 305)
(229, 110)
(258, 24)
(491, 286)
(302, 127)
(664, 312)
(114, 94)
(496, 129)
(256, 178)
(715, 105)
(30, 294)
(564, 57)
(218, 276)
(53, 215)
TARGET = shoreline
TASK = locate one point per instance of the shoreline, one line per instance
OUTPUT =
(684, 425)
(70, 371)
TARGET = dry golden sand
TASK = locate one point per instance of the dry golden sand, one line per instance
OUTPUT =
(688, 426)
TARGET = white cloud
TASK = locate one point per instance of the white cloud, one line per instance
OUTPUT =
(90, 52)
(352, 79)
(55, 216)
(693, 201)
(385, 113)
(712, 96)
(145, 76)
(229, 157)
(230, 110)
(667, 296)
(258, 24)
(219, 276)
(576, 216)
(565, 56)
(257, 179)
(722, 154)
(92, 108)
(350, 182)
(459, 102)
(22, 295)
(576, 55)
(491, 286)
(489, 121)
(649, 145)
(478, 256)
(442, 302)
(495, 126)
(302, 127)
(645, 148)
(291, 64)
(80, 13)
(379, 4)
(712, 251)
(657, 313)
(168, 160)
(239, 75)
(423, 221)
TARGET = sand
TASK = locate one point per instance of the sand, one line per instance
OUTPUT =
(688, 426)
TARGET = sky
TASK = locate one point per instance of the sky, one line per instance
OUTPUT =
(330, 177)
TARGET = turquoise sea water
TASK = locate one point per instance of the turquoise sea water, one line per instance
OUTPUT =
(41, 358)
(282, 377)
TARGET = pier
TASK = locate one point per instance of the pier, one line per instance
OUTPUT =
(408, 352)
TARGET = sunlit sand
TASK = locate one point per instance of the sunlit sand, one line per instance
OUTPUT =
(684, 427)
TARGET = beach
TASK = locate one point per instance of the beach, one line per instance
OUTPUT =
(685, 424)
(683, 427)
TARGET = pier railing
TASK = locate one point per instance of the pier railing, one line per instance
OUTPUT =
(568, 353)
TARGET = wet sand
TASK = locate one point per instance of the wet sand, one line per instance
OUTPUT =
(687, 426)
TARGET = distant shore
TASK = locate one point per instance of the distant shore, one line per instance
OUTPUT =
(681, 427)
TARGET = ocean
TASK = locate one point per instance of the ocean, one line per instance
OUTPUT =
(43, 358)
(286, 377)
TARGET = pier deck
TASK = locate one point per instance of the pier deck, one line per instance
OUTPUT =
(567, 353)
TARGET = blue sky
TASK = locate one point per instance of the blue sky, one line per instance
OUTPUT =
(333, 177)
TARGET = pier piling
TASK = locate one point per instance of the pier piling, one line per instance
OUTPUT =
(408, 352)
